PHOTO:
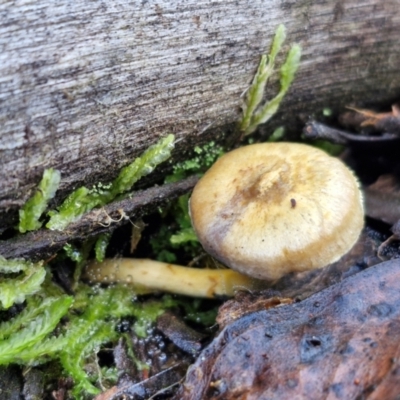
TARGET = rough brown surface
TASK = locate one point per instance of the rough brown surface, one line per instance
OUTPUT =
(86, 87)
(341, 343)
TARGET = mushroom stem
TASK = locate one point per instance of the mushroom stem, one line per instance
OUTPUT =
(147, 276)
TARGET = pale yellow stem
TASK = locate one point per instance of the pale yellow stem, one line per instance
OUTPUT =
(148, 276)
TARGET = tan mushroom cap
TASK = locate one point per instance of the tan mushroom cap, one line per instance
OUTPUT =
(272, 208)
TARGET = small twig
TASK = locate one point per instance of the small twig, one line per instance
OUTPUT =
(44, 243)
(152, 386)
(163, 390)
(315, 130)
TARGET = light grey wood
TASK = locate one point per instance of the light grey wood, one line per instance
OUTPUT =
(87, 85)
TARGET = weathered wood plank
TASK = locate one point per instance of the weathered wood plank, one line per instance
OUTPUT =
(86, 86)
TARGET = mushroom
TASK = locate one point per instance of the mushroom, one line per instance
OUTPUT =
(263, 210)
(272, 208)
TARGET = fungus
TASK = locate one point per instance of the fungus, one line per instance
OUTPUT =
(272, 208)
(263, 210)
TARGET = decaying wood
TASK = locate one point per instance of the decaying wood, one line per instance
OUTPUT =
(44, 243)
(85, 88)
(342, 342)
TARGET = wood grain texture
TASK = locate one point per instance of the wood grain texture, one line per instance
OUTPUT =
(87, 86)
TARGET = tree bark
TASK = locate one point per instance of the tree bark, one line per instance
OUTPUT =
(87, 86)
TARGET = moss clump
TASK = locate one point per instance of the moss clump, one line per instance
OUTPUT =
(83, 199)
(33, 209)
(91, 317)
(204, 156)
(26, 279)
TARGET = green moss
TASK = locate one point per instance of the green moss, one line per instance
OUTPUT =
(34, 208)
(331, 148)
(101, 246)
(25, 343)
(277, 134)
(183, 236)
(73, 252)
(16, 289)
(176, 232)
(83, 199)
(204, 157)
(27, 340)
(254, 113)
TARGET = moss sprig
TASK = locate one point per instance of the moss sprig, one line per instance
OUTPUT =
(83, 199)
(15, 289)
(101, 245)
(21, 345)
(253, 113)
(34, 208)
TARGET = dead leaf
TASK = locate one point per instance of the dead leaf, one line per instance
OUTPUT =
(381, 122)
(341, 343)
